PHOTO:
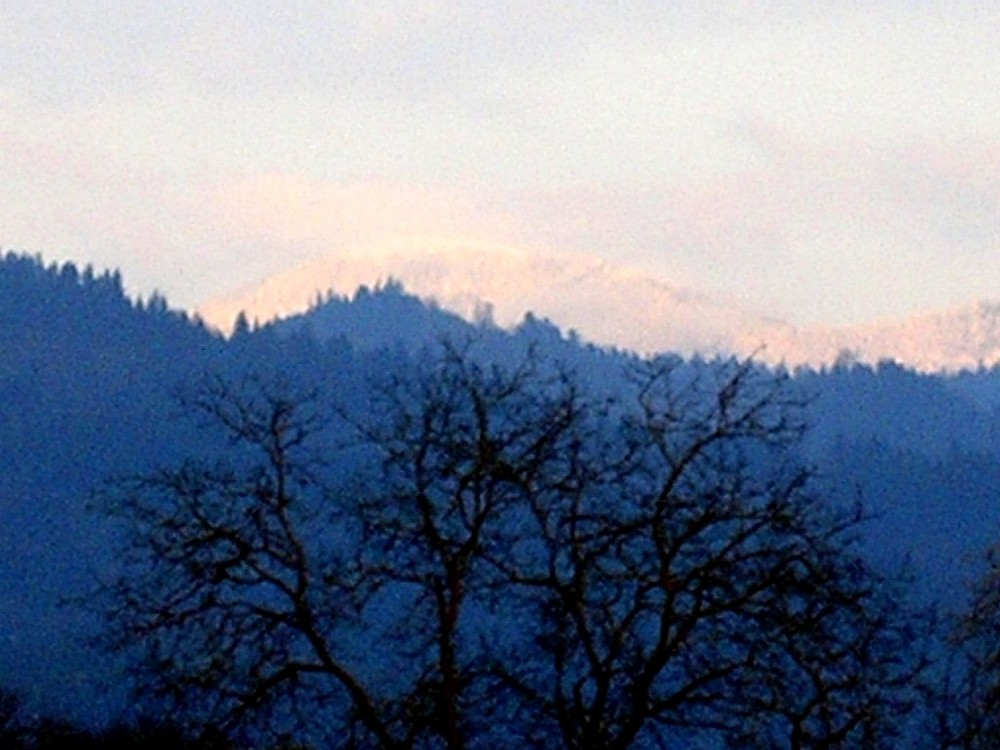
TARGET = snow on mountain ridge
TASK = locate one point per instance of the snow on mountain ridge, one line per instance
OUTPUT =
(615, 305)
(958, 338)
(606, 304)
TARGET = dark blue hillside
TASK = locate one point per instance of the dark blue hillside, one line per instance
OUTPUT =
(88, 384)
(929, 414)
(921, 452)
(386, 317)
(938, 512)
(85, 380)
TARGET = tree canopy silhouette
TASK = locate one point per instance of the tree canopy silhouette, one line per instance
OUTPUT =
(498, 555)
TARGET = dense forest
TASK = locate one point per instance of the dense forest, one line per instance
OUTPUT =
(377, 525)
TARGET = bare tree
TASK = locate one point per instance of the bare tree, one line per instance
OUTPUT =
(267, 592)
(454, 438)
(238, 585)
(682, 577)
(487, 556)
(969, 703)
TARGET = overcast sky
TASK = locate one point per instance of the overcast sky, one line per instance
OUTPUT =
(830, 162)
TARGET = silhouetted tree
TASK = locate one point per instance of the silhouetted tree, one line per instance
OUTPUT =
(455, 442)
(681, 575)
(492, 555)
(233, 611)
(258, 592)
(969, 703)
(241, 325)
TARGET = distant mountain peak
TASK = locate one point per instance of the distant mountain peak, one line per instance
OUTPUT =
(612, 305)
(604, 303)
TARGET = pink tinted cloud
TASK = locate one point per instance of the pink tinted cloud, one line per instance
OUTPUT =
(38, 157)
(289, 209)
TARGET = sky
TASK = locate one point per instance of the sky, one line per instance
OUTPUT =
(818, 162)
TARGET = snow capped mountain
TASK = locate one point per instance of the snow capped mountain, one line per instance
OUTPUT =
(613, 305)
(961, 338)
(606, 304)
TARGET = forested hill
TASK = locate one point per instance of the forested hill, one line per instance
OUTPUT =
(92, 385)
(85, 380)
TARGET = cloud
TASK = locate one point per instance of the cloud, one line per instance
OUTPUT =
(291, 209)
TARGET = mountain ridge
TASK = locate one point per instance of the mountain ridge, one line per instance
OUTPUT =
(619, 306)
